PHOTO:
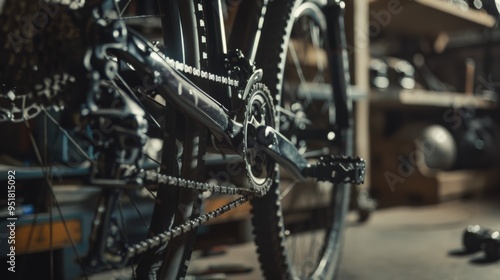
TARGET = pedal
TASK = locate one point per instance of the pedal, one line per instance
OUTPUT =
(338, 169)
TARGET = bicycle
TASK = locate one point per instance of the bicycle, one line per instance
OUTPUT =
(210, 98)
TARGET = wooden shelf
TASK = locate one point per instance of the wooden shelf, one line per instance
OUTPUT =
(427, 18)
(430, 98)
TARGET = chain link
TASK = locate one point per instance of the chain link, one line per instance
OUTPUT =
(155, 177)
(191, 70)
(160, 239)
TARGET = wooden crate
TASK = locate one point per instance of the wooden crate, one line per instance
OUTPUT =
(397, 179)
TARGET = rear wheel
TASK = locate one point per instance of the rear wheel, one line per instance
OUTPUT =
(184, 146)
(56, 49)
(298, 225)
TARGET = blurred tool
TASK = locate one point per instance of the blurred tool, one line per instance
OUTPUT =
(477, 238)
(473, 238)
(391, 72)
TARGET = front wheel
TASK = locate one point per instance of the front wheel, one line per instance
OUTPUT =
(298, 225)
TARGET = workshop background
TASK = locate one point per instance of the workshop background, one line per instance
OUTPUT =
(425, 80)
(426, 77)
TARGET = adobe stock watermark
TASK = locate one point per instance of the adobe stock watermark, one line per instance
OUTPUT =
(379, 20)
(456, 115)
(407, 165)
(31, 25)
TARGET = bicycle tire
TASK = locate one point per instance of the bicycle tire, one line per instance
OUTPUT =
(182, 40)
(270, 226)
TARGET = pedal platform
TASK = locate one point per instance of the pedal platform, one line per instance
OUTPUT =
(338, 169)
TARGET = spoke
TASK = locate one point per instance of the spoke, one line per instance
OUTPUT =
(159, 164)
(151, 158)
(151, 192)
(315, 38)
(122, 220)
(50, 203)
(134, 97)
(288, 189)
(135, 17)
(302, 78)
(125, 8)
(53, 198)
(137, 209)
(117, 7)
(67, 135)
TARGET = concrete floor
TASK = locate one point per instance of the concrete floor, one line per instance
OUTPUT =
(399, 243)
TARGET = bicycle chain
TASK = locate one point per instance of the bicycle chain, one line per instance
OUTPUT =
(191, 70)
(160, 239)
(155, 177)
(164, 237)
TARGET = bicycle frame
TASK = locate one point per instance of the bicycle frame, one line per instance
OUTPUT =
(203, 102)
(201, 107)
(213, 113)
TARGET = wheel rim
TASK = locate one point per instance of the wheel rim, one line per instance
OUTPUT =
(46, 119)
(308, 206)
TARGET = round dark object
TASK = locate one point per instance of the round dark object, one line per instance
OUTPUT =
(439, 149)
(473, 238)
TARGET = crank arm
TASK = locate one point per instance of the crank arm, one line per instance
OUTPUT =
(335, 169)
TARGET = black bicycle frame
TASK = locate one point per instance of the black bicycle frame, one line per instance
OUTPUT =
(215, 113)
(198, 105)
(201, 107)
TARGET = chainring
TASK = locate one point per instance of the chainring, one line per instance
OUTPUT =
(259, 112)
